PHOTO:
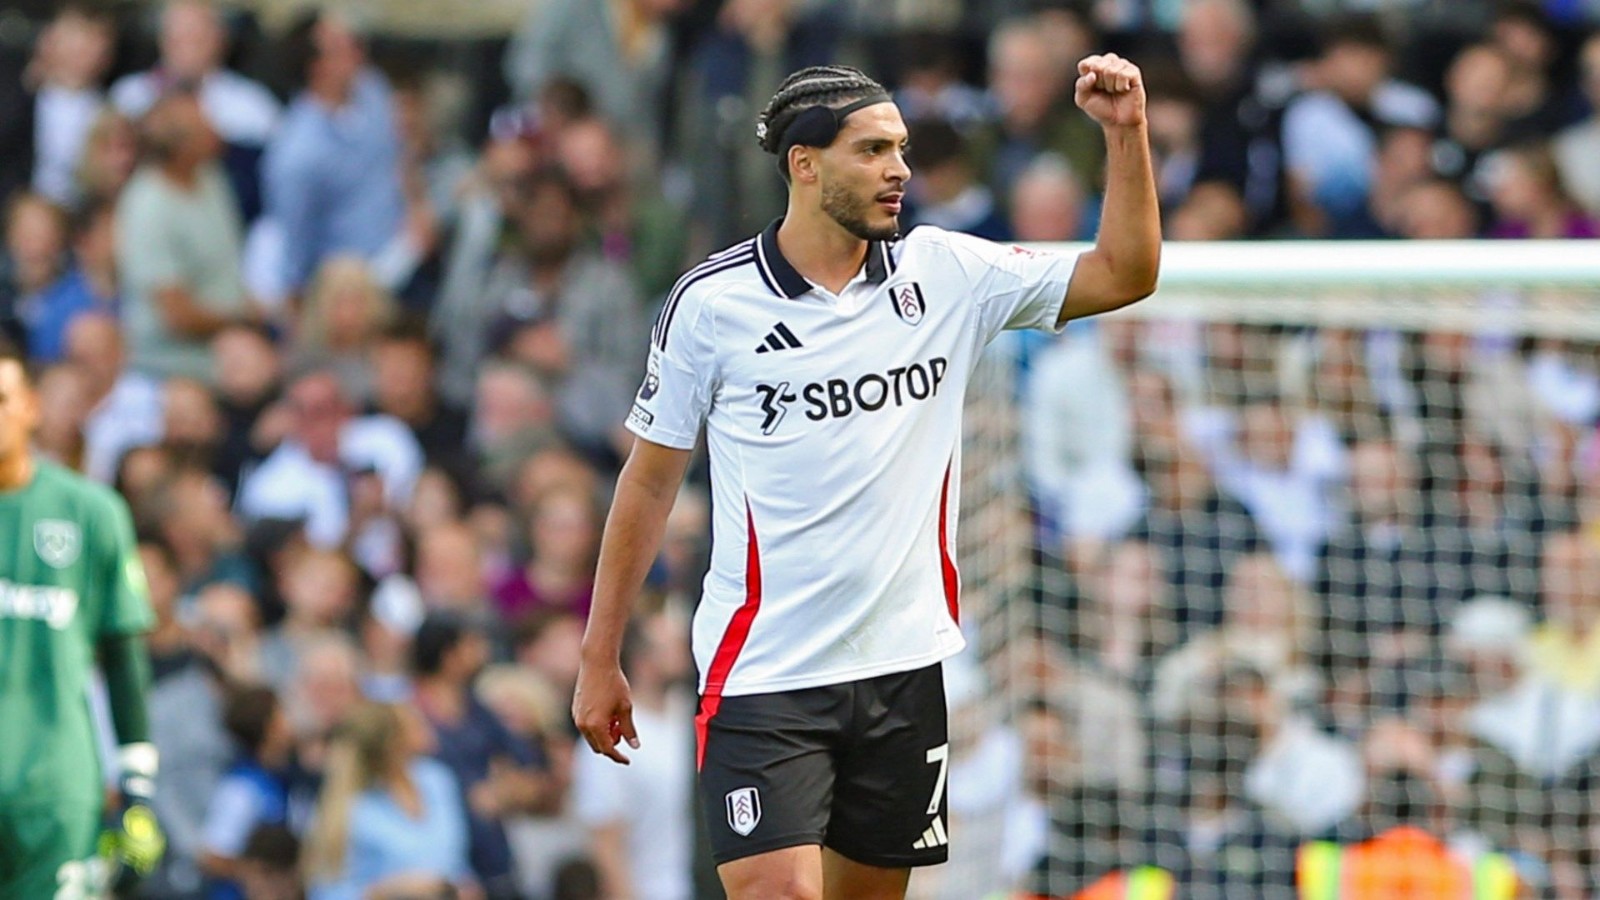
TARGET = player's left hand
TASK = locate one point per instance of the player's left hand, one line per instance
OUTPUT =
(1111, 90)
(134, 843)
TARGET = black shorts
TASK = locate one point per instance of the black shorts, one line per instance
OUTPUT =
(858, 767)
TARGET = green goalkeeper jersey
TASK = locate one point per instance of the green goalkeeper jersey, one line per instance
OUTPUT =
(69, 576)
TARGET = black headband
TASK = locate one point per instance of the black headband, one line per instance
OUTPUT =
(817, 126)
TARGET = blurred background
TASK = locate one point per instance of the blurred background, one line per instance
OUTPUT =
(349, 302)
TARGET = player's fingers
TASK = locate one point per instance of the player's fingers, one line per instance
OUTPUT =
(625, 729)
(601, 741)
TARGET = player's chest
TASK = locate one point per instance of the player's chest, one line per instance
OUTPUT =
(41, 567)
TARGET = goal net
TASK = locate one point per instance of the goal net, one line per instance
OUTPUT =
(1296, 563)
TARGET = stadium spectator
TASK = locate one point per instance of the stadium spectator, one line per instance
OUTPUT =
(621, 57)
(64, 407)
(639, 817)
(247, 372)
(191, 421)
(1330, 133)
(389, 821)
(66, 78)
(499, 776)
(1578, 145)
(1536, 105)
(320, 594)
(548, 643)
(1435, 209)
(228, 631)
(312, 473)
(1029, 78)
(332, 172)
(89, 286)
(428, 115)
(253, 792)
(635, 227)
(1530, 200)
(188, 509)
(946, 192)
(194, 44)
(110, 156)
(37, 234)
(403, 363)
(450, 569)
(343, 312)
(325, 690)
(123, 407)
(564, 536)
(185, 725)
(179, 244)
(269, 867)
(1475, 119)
(1176, 115)
(931, 84)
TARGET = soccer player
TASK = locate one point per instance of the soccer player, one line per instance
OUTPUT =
(72, 592)
(826, 359)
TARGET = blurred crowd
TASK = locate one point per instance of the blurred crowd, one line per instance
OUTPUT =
(352, 323)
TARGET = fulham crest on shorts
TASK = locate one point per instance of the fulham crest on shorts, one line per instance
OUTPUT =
(744, 810)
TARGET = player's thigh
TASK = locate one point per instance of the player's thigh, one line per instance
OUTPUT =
(790, 873)
(846, 879)
(50, 851)
(889, 804)
(767, 770)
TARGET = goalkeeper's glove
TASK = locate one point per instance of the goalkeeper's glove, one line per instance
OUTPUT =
(134, 843)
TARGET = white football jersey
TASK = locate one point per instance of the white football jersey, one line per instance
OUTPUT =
(833, 424)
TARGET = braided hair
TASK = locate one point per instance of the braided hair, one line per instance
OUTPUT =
(811, 86)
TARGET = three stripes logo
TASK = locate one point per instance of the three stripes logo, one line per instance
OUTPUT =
(935, 836)
(779, 338)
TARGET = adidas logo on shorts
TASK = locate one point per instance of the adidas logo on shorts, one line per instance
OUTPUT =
(934, 837)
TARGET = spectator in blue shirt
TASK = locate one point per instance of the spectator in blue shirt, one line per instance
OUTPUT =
(499, 774)
(90, 286)
(332, 173)
(253, 793)
(389, 822)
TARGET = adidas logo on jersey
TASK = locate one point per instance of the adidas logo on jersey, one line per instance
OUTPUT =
(934, 837)
(779, 338)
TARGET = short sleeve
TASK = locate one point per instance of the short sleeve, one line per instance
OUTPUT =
(1014, 287)
(126, 606)
(680, 374)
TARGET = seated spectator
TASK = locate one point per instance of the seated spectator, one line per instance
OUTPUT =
(639, 816)
(110, 156)
(228, 631)
(513, 415)
(1536, 102)
(1306, 781)
(946, 192)
(498, 775)
(389, 821)
(124, 407)
(188, 508)
(564, 537)
(66, 77)
(403, 360)
(269, 867)
(193, 44)
(89, 286)
(555, 305)
(255, 790)
(450, 569)
(306, 475)
(342, 314)
(191, 423)
(930, 82)
(336, 190)
(637, 227)
(548, 643)
(1435, 209)
(1047, 201)
(1577, 147)
(1031, 81)
(1475, 120)
(1405, 159)
(1175, 114)
(1328, 143)
(64, 405)
(1529, 199)
(325, 688)
(248, 387)
(179, 240)
(321, 592)
(35, 259)
(428, 109)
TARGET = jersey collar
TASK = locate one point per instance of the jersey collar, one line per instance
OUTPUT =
(785, 281)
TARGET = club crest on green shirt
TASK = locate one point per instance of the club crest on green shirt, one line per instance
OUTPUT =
(57, 541)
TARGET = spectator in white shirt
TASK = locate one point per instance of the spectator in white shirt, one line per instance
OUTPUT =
(193, 43)
(68, 66)
(311, 474)
(124, 406)
(639, 815)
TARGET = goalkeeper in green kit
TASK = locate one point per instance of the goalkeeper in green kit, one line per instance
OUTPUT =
(72, 594)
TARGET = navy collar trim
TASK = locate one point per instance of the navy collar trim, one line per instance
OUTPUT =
(785, 281)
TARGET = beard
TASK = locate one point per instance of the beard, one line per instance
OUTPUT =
(850, 211)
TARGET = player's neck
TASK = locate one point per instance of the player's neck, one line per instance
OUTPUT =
(16, 471)
(819, 249)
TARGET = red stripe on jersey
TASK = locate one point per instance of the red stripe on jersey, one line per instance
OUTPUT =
(947, 563)
(732, 640)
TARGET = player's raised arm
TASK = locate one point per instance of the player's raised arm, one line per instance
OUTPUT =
(602, 707)
(1122, 267)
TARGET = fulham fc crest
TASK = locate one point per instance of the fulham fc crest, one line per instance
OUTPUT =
(57, 542)
(744, 810)
(908, 302)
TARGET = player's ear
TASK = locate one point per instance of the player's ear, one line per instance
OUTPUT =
(803, 164)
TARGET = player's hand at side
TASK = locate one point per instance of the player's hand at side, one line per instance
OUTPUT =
(602, 708)
(1111, 90)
